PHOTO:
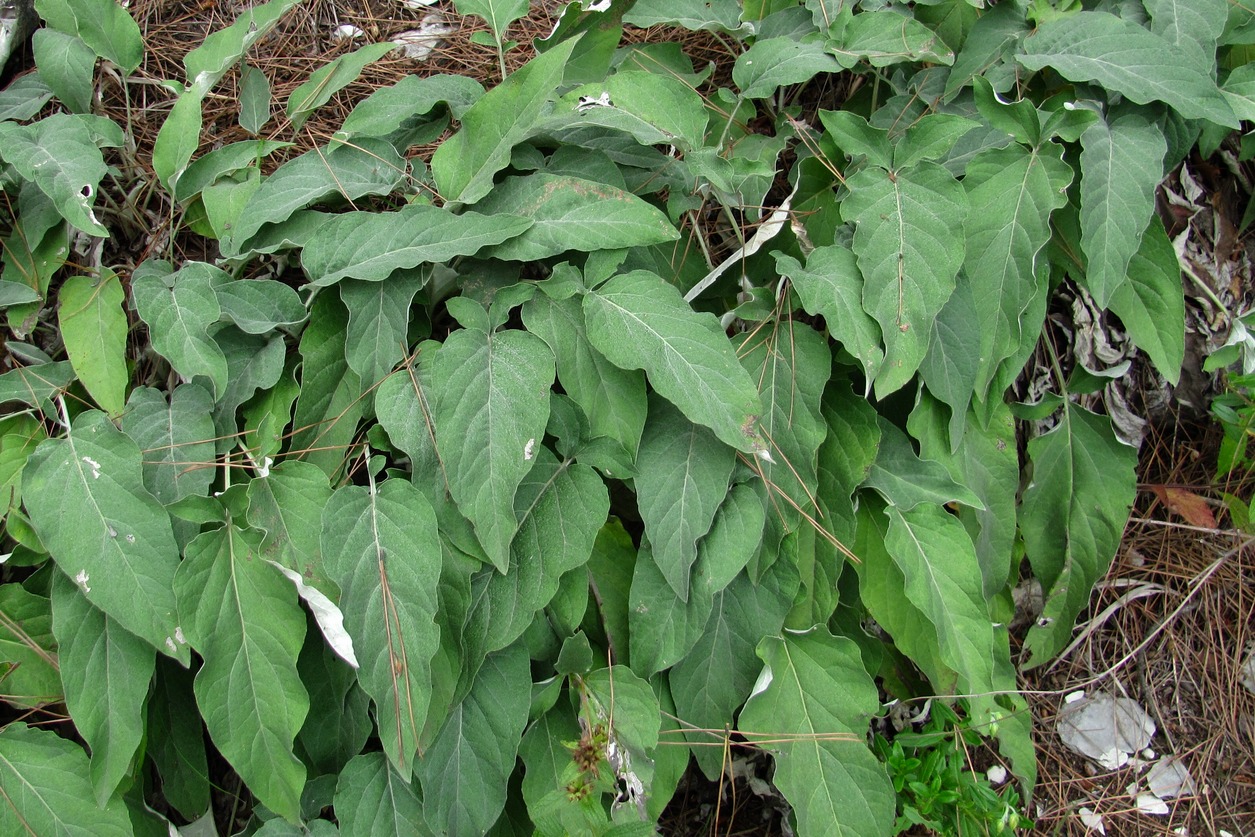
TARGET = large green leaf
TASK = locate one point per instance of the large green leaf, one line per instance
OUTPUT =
(776, 62)
(639, 321)
(28, 648)
(329, 405)
(287, 504)
(682, 476)
(953, 361)
(176, 740)
(908, 238)
(465, 772)
(1151, 305)
(102, 24)
(372, 799)
(349, 172)
(242, 617)
(259, 306)
(389, 108)
(465, 164)
(813, 699)
(1194, 26)
(381, 548)
(330, 78)
(498, 14)
(569, 213)
(93, 327)
(906, 481)
(710, 15)
(106, 671)
(1072, 516)
(716, 677)
(884, 37)
(491, 406)
(612, 399)
(1127, 59)
(67, 65)
(176, 438)
(628, 707)
(944, 583)
(1012, 192)
(831, 285)
(179, 308)
(560, 507)
(379, 320)
(371, 245)
(1121, 164)
(46, 790)
(654, 108)
(120, 550)
(403, 405)
(60, 155)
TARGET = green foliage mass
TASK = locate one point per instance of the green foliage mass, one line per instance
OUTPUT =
(478, 498)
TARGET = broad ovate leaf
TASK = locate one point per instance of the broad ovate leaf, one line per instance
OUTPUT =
(176, 438)
(121, 550)
(371, 798)
(465, 164)
(61, 156)
(813, 699)
(372, 245)
(1127, 59)
(45, 788)
(242, 617)
(379, 319)
(106, 671)
(491, 407)
(103, 25)
(639, 321)
(93, 325)
(1150, 304)
(330, 78)
(1072, 516)
(381, 547)
(776, 62)
(908, 238)
(179, 308)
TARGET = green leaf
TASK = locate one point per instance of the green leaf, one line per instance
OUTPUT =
(28, 645)
(716, 677)
(259, 306)
(253, 362)
(61, 156)
(242, 617)
(102, 24)
(491, 406)
(46, 789)
(329, 79)
(221, 162)
(612, 399)
(1121, 164)
(1151, 305)
(403, 407)
(381, 548)
(777, 62)
(329, 405)
(1127, 59)
(465, 164)
(24, 97)
(106, 671)
(379, 320)
(179, 137)
(372, 799)
(388, 109)
(696, 15)
(944, 583)
(1072, 516)
(466, 769)
(832, 286)
(92, 318)
(498, 14)
(654, 108)
(906, 481)
(883, 38)
(254, 99)
(176, 740)
(909, 242)
(176, 439)
(1012, 193)
(953, 361)
(628, 707)
(120, 550)
(569, 213)
(67, 65)
(682, 477)
(287, 504)
(846, 455)
(815, 697)
(639, 321)
(1194, 26)
(348, 172)
(560, 506)
(179, 309)
(372, 245)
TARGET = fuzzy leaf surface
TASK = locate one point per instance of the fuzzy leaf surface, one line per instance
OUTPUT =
(93, 327)
(179, 309)
(176, 439)
(372, 799)
(120, 550)
(381, 548)
(1151, 305)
